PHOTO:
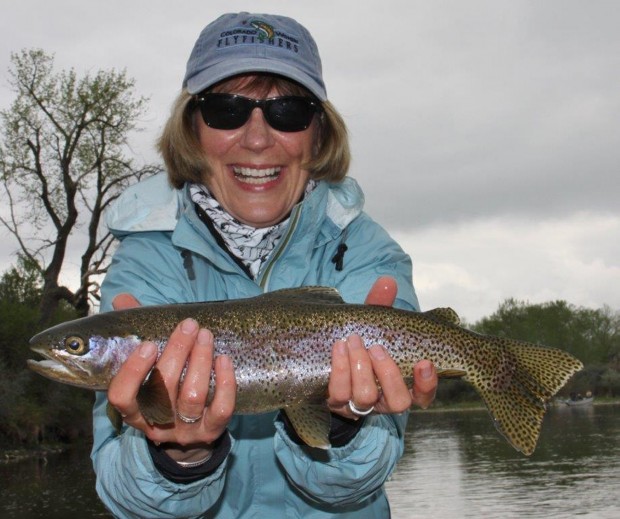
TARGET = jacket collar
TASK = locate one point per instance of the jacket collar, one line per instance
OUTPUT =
(153, 205)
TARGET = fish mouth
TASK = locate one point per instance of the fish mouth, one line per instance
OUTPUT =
(56, 369)
(50, 361)
(51, 368)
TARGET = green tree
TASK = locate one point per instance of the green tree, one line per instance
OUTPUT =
(63, 160)
(610, 382)
(20, 295)
(592, 335)
(31, 407)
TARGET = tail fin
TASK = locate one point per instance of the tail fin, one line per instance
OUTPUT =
(527, 379)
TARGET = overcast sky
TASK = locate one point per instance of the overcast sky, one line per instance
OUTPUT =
(486, 135)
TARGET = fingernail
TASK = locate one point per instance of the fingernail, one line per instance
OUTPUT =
(378, 352)
(225, 361)
(189, 326)
(147, 349)
(427, 371)
(340, 348)
(204, 337)
(354, 342)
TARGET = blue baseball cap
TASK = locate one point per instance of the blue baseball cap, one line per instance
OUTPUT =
(239, 43)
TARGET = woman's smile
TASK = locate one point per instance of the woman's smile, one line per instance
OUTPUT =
(256, 176)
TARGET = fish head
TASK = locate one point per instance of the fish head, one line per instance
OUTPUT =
(75, 357)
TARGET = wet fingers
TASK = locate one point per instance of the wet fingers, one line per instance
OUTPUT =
(124, 387)
(365, 392)
(424, 384)
(221, 408)
(339, 386)
(194, 389)
(176, 353)
(395, 395)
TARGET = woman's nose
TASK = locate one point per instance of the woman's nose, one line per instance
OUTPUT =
(257, 134)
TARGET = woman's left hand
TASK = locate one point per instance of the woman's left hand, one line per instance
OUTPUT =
(356, 371)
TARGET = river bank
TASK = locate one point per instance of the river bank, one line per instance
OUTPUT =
(17, 455)
(478, 405)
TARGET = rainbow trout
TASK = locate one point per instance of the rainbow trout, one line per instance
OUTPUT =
(280, 344)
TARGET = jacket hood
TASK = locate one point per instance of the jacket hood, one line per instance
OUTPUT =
(154, 205)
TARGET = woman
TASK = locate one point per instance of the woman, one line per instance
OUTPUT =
(255, 199)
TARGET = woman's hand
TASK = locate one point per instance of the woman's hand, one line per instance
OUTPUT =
(196, 426)
(356, 370)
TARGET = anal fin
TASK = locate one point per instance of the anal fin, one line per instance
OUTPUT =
(312, 423)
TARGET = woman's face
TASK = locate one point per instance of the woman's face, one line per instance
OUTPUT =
(256, 172)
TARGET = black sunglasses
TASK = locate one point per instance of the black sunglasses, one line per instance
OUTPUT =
(231, 111)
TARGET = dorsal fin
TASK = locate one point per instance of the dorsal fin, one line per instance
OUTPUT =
(446, 315)
(312, 294)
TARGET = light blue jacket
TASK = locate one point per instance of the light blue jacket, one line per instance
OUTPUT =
(167, 255)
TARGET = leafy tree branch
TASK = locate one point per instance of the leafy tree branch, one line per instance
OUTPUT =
(64, 157)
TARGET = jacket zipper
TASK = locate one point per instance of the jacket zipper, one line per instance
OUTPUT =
(264, 279)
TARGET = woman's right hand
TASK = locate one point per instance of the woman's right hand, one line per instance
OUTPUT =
(183, 441)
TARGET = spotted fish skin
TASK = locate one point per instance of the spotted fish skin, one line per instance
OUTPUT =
(280, 344)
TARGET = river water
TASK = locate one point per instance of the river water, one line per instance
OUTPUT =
(455, 466)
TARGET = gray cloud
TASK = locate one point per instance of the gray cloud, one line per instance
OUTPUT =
(460, 113)
(511, 112)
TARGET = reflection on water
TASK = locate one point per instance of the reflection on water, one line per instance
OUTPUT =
(456, 466)
(61, 486)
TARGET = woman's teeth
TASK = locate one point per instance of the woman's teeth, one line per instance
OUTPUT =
(256, 176)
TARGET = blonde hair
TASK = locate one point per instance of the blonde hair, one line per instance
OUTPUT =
(185, 159)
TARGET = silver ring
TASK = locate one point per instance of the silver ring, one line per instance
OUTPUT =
(360, 412)
(188, 419)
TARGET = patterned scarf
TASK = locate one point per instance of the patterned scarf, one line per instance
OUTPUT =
(250, 245)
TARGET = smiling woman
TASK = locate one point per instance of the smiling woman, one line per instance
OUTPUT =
(254, 198)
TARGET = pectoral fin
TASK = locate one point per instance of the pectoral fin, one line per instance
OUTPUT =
(115, 417)
(153, 400)
(450, 373)
(312, 422)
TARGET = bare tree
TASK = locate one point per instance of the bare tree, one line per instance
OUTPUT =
(63, 160)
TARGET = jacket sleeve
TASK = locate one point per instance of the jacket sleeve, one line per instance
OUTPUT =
(349, 474)
(128, 482)
(353, 473)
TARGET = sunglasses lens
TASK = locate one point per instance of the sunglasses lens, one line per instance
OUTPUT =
(289, 114)
(229, 112)
(224, 111)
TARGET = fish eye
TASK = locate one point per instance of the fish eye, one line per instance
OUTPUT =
(76, 345)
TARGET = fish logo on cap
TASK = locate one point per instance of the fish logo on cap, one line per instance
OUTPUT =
(265, 31)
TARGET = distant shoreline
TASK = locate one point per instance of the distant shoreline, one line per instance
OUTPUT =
(19, 454)
(479, 406)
